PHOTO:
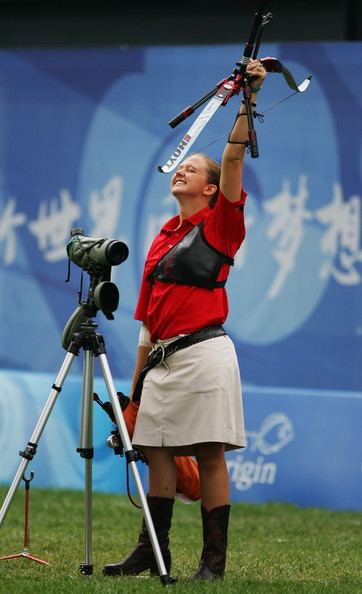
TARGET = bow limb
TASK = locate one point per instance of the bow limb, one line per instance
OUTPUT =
(274, 65)
(199, 124)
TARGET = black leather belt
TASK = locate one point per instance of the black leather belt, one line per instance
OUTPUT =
(160, 353)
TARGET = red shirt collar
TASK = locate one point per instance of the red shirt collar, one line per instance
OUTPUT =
(194, 220)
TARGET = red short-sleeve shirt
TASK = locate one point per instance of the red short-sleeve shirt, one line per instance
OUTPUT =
(169, 309)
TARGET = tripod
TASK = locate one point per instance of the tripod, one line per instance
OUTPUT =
(93, 345)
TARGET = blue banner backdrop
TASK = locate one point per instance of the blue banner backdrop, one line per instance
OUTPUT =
(298, 451)
(81, 135)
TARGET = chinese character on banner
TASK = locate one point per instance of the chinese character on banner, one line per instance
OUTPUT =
(289, 214)
(105, 208)
(341, 241)
(9, 220)
(52, 229)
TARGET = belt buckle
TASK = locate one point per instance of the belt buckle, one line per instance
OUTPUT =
(156, 356)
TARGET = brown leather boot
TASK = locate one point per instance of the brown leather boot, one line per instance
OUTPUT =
(142, 557)
(213, 557)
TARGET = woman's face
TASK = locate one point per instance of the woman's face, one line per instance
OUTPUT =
(191, 177)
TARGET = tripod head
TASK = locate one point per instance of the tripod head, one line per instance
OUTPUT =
(96, 256)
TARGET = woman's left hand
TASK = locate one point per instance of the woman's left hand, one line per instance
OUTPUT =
(257, 74)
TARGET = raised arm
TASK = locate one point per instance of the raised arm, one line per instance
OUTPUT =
(234, 152)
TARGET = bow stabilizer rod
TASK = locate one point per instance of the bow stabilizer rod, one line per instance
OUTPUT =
(242, 79)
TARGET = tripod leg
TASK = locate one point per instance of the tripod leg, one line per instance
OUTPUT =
(130, 455)
(86, 451)
(32, 445)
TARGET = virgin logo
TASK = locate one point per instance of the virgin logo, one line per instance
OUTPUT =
(276, 431)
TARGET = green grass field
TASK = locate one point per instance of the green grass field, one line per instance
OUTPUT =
(272, 547)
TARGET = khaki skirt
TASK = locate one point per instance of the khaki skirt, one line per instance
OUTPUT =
(193, 397)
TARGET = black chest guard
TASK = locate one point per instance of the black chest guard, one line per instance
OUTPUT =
(192, 261)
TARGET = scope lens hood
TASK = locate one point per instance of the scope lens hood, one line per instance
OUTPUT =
(116, 252)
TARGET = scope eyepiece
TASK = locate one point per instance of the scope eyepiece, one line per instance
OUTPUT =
(76, 231)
